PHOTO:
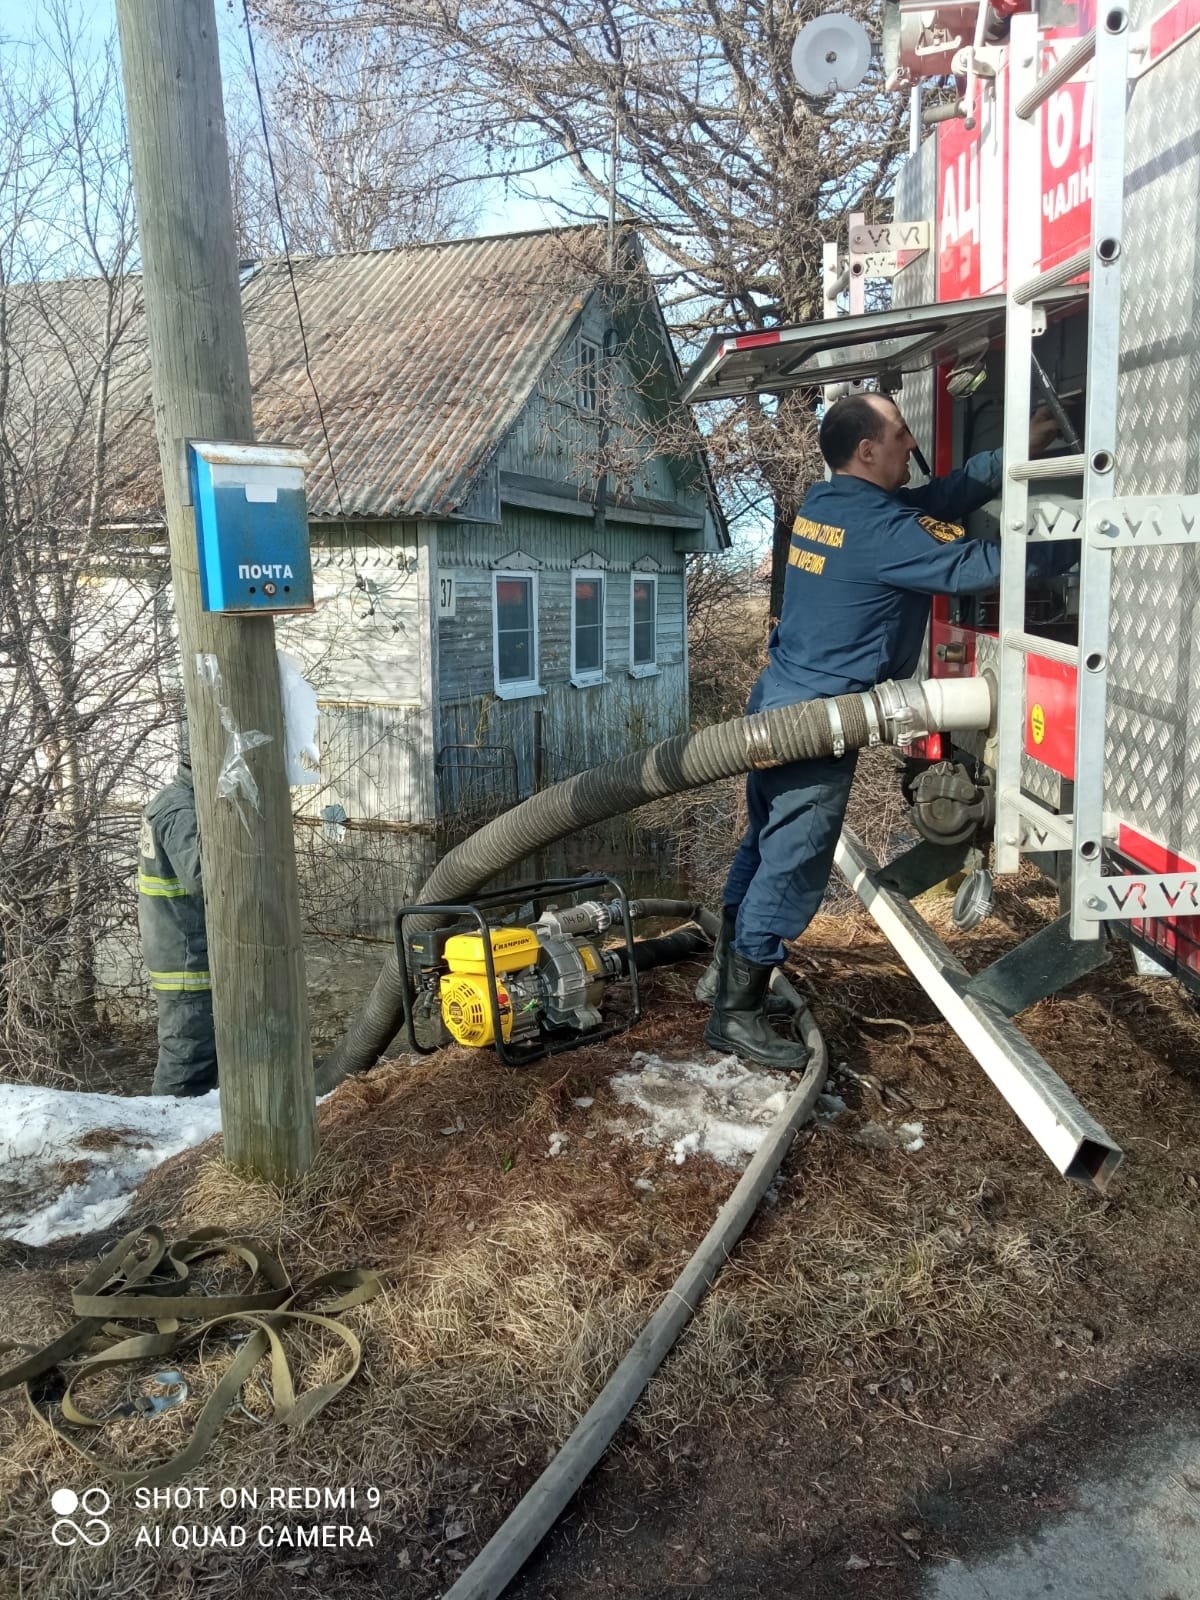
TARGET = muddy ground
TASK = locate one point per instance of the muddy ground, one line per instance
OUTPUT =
(912, 1354)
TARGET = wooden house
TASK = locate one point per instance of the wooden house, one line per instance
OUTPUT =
(503, 494)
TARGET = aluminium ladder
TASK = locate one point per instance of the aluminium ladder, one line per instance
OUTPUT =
(1023, 822)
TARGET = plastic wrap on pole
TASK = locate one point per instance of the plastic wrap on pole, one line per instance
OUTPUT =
(235, 781)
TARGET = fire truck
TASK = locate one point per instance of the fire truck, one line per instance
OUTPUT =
(1044, 248)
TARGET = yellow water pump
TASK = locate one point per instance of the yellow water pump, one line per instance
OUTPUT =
(548, 975)
(539, 975)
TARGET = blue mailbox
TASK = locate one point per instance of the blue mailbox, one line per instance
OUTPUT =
(251, 526)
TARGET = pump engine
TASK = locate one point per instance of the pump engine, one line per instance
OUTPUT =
(527, 989)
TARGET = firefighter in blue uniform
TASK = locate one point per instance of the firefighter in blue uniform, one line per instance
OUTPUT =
(866, 554)
(175, 939)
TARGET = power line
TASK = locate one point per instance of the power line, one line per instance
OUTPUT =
(359, 580)
(262, 117)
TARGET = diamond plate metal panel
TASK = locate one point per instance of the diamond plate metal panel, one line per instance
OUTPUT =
(1036, 779)
(916, 199)
(1042, 782)
(1153, 721)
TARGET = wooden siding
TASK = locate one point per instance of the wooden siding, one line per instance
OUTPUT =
(553, 736)
(363, 642)
(555, 438)
(373, 763)
(566, 729)
(367, 651)
(557, 542)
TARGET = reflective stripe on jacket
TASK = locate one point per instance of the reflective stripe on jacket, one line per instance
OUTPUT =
(171, 892)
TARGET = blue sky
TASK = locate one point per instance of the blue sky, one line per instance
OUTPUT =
(500, 212)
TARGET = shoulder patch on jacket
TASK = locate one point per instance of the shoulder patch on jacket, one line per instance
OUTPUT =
(943, 532)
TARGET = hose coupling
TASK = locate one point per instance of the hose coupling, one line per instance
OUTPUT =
(911, 708)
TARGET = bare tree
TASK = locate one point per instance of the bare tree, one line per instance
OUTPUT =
(685, 119)
(83, 625)
(363, 159)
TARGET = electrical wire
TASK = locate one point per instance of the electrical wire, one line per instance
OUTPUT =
(287, 256)
(360, 583)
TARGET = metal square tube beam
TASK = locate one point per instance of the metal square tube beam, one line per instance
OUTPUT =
(1074, 1141)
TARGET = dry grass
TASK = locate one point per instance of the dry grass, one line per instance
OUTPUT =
(878, 1284)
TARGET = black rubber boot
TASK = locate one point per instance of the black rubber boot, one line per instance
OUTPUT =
(738, 1022)
(710, 978)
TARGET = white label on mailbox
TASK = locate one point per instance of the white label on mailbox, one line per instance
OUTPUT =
(447, 594)
(254, 478)
(265, 493)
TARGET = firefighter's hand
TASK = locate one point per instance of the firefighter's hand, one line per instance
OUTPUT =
(1043, 430)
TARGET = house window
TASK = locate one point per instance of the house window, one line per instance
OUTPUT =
(514, 633)
(587, 629)
(589, 369)
(643, 653)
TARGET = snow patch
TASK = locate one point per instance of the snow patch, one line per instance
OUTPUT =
(558, 1143)
(716, 1108)
(53, 1184)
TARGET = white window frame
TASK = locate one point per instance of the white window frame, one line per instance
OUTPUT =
(642, 669)
(591, 675)
(587, 398)
(517, 688)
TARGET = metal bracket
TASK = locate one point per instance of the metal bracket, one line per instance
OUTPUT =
(1055, 519)
(927, 864)
(1073, 1140)
(1144, 521)
(1040, 828)
(1118, 899)
(987, 60)
(882, 249)
(1037, 967)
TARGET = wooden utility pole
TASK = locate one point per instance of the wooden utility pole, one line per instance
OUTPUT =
(201, 378)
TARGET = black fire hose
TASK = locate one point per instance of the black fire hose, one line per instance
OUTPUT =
(666, 949)
(523, 1530)
(803, 732)
(681, 910)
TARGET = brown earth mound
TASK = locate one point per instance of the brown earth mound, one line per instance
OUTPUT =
(894, 1321)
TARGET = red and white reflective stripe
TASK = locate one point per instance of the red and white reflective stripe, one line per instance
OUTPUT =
(750, 341)
(1167, 30)
(1149, 854)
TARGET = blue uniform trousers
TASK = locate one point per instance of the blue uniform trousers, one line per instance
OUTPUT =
(782, 866)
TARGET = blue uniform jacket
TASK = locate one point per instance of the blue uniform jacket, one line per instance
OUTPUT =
(862, 565)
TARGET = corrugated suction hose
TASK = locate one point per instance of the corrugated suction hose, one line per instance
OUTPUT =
(802, 732)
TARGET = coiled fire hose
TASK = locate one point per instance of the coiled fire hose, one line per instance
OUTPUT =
(893, 713)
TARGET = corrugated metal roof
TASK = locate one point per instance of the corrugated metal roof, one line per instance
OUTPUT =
(423, 358)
